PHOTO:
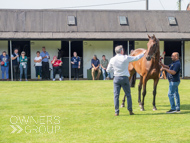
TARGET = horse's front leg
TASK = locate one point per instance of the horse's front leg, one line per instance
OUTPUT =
(143, 93)
(123, 101)
(154, 94)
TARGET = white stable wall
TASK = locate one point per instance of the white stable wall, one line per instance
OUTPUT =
(98, 48)
(187, 59)
(51, 47)
(3, 47)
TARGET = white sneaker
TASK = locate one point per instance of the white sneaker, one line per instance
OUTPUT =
(54, 79)
(60, 79)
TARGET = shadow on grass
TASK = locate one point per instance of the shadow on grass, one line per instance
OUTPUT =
(182, 106)
(163, 113)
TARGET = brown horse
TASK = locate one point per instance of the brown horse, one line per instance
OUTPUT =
(148, 68)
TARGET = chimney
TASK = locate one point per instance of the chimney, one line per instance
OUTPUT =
(188, 7)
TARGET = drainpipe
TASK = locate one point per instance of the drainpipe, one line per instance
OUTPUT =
(182, 59)
(69, 60)
(146, 4)
(128, 47)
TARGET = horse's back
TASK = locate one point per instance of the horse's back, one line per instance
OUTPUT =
(136, 66)
(137, 51)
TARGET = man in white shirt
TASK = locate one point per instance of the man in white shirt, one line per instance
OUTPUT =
(119, 64)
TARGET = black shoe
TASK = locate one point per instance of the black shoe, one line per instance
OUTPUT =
(131, 113)
(171, 111)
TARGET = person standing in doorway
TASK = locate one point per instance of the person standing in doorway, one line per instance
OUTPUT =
(104, 64)
(23, 66)
(4, 58)
(119, 64)
(173, 75)
(75, 61)
(15, 63)
(38, 65)
(45, 63)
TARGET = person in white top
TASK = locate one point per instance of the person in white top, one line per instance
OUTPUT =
(38, 65)
(119, 64)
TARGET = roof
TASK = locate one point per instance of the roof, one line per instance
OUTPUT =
(92, 24)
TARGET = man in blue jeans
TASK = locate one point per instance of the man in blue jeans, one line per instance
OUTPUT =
(173, 74)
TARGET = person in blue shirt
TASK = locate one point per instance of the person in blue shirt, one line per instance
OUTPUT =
(45, 63)
(75, 61)
(95, 67)
(4, 58)
(173, 75)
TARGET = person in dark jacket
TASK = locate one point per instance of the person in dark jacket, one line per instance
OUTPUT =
(75, 61)
(15, 63)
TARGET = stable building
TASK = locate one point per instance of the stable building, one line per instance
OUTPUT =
(90, 32)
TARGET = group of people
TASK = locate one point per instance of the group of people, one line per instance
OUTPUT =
(5, 60)
(119, 64)
(99, 67)
(19, 64)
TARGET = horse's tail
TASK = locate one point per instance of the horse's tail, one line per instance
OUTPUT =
(133, 80)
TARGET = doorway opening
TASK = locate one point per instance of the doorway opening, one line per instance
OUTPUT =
(22, 46)
(169, 48)
(125, 46)
(76, 46)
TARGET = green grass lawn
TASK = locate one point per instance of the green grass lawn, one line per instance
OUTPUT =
(83, 111)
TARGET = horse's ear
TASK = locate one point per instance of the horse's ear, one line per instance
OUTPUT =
(149, 36)
(154, 36)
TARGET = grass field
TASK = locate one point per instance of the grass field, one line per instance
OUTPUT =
(83, 111)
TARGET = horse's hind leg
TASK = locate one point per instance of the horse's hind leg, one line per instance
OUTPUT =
(123, 102)
(139, 90)
(154, 94)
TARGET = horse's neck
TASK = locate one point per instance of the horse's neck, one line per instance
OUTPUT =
(156, 60)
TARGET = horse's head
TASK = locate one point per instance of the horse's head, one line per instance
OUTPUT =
(153, 47)
(60, 53)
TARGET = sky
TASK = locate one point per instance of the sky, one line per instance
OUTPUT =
(93, 4)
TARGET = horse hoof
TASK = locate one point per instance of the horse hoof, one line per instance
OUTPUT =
(122, 106)
(142, 109)
(154, 109)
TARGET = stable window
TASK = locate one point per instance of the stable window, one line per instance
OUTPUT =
(123, 20)
(72, 20)
(172, 20)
